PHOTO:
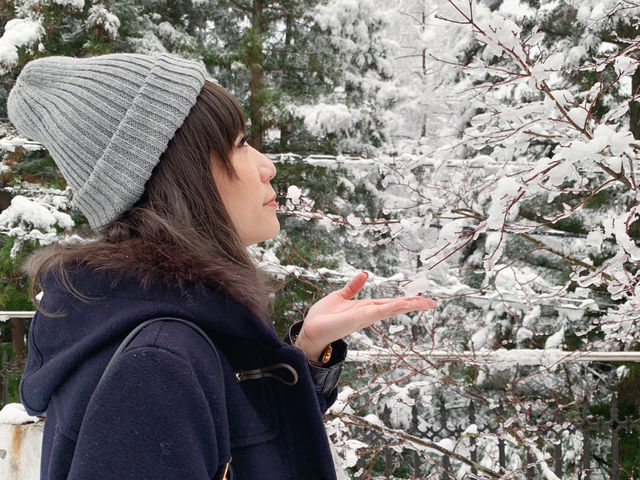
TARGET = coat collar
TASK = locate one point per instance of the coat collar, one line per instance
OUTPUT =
(213, 309)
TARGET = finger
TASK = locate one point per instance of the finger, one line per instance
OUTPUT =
(370, 314)
(352, 288)
(421, 303)
(411, 304)
(417, 303)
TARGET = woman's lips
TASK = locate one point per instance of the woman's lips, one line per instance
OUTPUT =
(272, 202)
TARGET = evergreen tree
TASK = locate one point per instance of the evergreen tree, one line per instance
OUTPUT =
(295, 55)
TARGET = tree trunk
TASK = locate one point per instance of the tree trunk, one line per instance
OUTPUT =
(285, 130)
(257, 127)
(255, 57)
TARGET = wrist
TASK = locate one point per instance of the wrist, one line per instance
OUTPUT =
(312, 352)
(316, 356)
(333, 355)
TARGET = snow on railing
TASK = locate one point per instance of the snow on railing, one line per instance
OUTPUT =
(6, 315)
(353, 161)
(544, 357)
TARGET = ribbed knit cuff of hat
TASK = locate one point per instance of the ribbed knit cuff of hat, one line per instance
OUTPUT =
(105, 120)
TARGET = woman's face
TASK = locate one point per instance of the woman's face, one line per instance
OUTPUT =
(249, 198)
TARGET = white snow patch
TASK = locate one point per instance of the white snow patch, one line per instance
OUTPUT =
(293, 194)
(77, 4)
(556, 340)
(15, 414)
(26, 213)
(396, 329)
(595, 238)
(326, 118)
(471, 430)
(516, 8)
(374, 420)
(625, 65)
(149, 43)
(578, 115)
(354, 221)
(351, 455)
(17, 32)
(99, 16)
(417, 285)
(11, 143)
(448, 444)
(502, 198)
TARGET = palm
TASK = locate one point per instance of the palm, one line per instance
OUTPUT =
(338, 315)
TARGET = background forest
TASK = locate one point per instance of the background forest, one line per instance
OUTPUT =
(479, 152)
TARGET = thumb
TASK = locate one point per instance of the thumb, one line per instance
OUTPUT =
(352, 288)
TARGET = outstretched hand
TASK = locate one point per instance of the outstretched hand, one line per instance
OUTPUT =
(338, 315)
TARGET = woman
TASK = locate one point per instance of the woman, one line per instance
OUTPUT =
(159, 164)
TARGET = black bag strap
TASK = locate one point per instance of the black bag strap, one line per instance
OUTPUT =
(226, 469)
(129, 338)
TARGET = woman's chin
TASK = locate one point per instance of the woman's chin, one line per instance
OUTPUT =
(272, 233)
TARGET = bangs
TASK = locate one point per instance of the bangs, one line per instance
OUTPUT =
(220, 121)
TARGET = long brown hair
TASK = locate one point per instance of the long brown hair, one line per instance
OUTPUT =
(180, 219)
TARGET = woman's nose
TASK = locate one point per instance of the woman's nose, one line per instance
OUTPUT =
(269, 168)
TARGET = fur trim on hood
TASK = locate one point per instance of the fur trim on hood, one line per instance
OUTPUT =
(151, 265)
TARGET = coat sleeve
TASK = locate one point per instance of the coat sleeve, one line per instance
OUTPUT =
(325, 378)
(149, 418)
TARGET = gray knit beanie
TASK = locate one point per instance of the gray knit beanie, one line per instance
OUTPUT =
(105, 120)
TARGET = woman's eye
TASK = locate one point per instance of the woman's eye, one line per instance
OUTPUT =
(243, 141)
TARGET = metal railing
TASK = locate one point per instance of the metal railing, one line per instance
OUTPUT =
(545, 357)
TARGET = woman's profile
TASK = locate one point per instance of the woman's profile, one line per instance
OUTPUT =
(158, 160)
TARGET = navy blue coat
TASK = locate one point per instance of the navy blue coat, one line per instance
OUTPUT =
(168, 409)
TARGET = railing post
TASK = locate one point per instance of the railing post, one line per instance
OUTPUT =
(557, 454)
(472, 441)
(586, 441)
(446, 462)
(531, 471)
(415, 430)
(502, 461)
(388, 458)
(613, 424)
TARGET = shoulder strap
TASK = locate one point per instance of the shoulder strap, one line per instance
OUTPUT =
(226, 473)
(145, 324)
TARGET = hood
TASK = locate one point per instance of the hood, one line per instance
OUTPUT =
(71, 343)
